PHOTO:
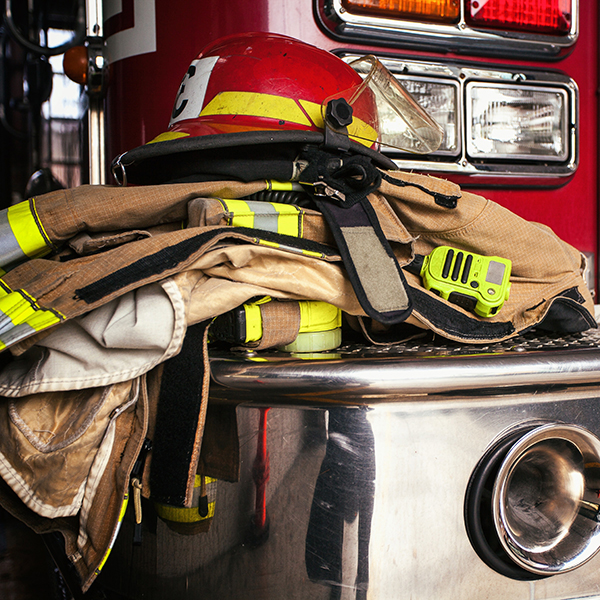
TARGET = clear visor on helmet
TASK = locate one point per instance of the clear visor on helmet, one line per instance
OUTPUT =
(383, 112)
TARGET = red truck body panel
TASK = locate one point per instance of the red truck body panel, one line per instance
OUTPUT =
(143, 88)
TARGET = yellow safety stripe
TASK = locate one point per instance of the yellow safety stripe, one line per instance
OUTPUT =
(28, 228)
(300, 112)
(21, 316)
(279, 186)
(254, 330)
(289, 248)
(318, 316)
(22, 234)
(169, 135)
(191, 515)
(270, 216)
(253, 104)
(114, 535)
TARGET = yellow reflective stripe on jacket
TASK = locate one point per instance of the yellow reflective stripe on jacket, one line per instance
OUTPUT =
(302, 251)
(22, 235)
(21, 316)
(269, 216)
(113, 538)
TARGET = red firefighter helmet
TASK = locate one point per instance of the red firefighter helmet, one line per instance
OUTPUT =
(265, 82)
(254, 89)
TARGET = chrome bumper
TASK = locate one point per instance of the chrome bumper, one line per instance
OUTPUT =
(372, 451)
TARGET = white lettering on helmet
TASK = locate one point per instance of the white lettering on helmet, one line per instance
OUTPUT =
(190, 98)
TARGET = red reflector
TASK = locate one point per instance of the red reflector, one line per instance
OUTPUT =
(540, 16)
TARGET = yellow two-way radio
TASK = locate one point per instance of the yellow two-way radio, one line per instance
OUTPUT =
(479, 284)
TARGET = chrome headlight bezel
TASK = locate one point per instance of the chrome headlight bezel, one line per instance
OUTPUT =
(463, 77)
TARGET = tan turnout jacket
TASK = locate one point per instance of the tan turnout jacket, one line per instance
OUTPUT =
(133, 268)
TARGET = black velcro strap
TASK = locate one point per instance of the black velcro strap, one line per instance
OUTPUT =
(180, 417)
(372, 268)
(444, 200)
(451, 321)
(167, 260)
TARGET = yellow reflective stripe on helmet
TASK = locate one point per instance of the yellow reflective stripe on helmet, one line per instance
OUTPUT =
(254, 104)
(270, 216)
(22, 235)
(168, 136)
(21, 316)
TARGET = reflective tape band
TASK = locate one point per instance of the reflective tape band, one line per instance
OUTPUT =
(22, 235)
(113, 538)
(256, 105)
(21, 316)
(191, 515)
(302, 251)
(14, 310)
(269, 216)
(286, 186)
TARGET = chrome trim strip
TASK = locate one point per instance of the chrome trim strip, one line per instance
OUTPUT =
(372, 375)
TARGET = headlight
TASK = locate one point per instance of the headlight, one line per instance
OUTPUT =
(440, 99)
(495, 122)
(511, 121)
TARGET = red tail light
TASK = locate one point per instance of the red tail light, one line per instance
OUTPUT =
(538, 16)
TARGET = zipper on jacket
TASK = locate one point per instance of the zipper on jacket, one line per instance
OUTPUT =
(136, 485)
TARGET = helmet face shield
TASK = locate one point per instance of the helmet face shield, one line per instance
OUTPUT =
(384, 112)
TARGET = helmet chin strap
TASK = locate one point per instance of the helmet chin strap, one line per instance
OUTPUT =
(340, 185)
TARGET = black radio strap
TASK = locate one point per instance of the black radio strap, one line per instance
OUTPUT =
(372, 268)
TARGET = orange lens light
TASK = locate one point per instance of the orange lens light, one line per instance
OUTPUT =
(430, 10)
(539, 16)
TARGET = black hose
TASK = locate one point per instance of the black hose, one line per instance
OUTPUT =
(76, 40)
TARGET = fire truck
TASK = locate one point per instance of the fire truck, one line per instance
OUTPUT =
(420, 470)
